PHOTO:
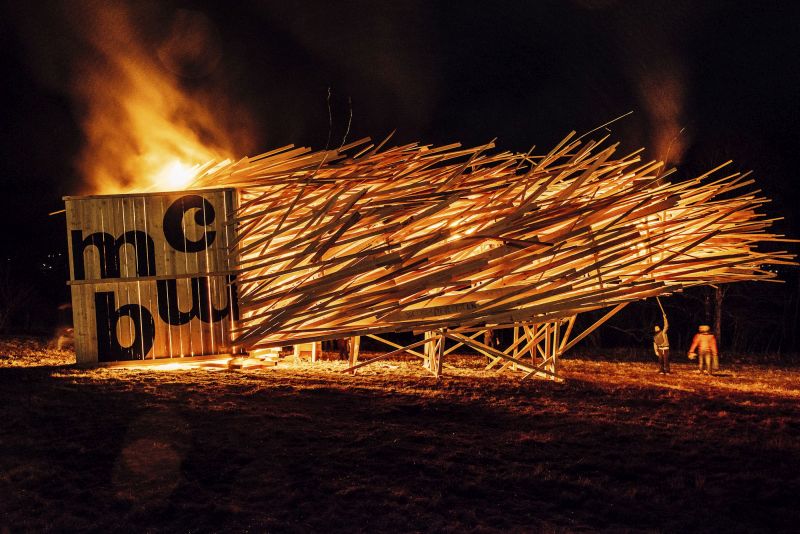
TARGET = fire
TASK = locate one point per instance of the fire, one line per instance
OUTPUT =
(174, 176)
(148, 125)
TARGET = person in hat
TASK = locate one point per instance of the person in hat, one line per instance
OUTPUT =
(661, 344)
(704, 346)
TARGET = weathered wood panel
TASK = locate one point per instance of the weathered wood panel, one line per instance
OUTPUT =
(150, 275)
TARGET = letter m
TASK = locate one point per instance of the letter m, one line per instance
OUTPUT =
(108, 252)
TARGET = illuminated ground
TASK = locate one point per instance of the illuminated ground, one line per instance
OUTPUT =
(617, 446)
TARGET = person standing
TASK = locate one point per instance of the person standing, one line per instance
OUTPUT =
(661, 343)
(704, 346)
(489, 338)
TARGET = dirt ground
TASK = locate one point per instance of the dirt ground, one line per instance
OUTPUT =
(616, 446)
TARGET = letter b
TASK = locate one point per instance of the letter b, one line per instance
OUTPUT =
(107, 315)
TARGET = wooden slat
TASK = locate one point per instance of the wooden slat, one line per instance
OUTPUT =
(142, 216)
(374, 239)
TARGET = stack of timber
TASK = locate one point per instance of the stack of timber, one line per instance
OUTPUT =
(366, 239)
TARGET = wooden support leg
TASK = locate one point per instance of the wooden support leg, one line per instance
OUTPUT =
(516, 348)
(355, 345)
(548, 332)
(439, 355)
(554, 355)
(431, 346)
(530, 334)
(426, 351)
(314, 352)
(565, 339)
(430, 351)
(545, 342)
(516, 338)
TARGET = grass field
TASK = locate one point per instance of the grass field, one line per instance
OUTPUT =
(616, 446)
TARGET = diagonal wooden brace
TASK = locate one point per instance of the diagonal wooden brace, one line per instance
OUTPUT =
(387, 355)
(484, 349)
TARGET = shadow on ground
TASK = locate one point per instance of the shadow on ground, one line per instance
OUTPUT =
(312, 449)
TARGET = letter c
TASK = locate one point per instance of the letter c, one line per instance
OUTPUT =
(173, 223)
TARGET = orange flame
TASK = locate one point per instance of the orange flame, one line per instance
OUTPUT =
(144, 131)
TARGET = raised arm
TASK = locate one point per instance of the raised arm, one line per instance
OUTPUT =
(663, 314)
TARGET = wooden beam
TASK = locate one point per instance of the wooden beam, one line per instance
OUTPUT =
(395, 345)
(459, 344)
(355, 366)
(480, 347)
(565, 339)
(381, 239)
(594, 326)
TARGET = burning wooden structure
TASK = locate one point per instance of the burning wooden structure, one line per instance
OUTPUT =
(444, 241)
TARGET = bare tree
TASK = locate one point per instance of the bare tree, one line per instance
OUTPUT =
(719, 296)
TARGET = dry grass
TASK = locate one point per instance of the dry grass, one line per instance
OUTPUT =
(616, 447)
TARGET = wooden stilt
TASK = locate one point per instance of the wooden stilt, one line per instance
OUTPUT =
(440, 354)
(355, 345)
(530, 335)
(516, 349)
(547, 347)
(554, 349)
(427, 350)
(565, 339)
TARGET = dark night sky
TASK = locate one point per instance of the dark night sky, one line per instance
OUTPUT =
(524, 72)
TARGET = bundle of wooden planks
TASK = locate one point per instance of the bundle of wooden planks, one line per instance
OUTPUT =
(366, 239)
